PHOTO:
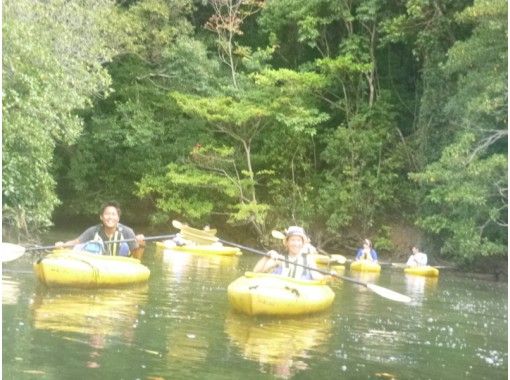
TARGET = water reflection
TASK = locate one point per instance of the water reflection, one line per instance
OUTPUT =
(418, 286)
(194, 286)
(339, 269)
(105, 311)
(371, 277)
(10, 290)
(91, 318)
(187, 347)
(280, 346)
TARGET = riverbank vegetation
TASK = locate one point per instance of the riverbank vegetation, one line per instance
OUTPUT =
(341, 116)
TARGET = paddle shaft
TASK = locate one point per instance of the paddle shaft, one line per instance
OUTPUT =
(403, 265)
(10, 252)
(349, 279)
(147, 238)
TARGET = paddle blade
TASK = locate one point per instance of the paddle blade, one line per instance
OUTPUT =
(10, 252)
(387, 293)
(177, 224)
(278, 234)
(199, 239)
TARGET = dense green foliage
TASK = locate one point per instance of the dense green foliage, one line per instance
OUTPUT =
(53, 56)
(341, 116)
(466, 189)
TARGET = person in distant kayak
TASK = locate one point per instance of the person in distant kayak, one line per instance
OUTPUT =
(417, 258)
(295, 239)
(367, 252)
(96, 239)
(308, 248)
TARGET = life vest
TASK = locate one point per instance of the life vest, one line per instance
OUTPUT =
(367, 255)
(112, 249)
(289, 269)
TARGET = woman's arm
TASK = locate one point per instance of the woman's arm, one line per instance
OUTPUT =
(359, 253)
(411, 262)
(373, 253)
(268, 263)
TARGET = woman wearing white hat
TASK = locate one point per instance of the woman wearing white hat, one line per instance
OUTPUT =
(295, 239)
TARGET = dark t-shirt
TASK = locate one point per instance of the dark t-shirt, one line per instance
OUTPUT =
(127, 233)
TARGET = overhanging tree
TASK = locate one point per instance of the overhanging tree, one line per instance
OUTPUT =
(53, 53)
(269, 100)
(466, 189)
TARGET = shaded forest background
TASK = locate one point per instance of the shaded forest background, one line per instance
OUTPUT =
(353, 118)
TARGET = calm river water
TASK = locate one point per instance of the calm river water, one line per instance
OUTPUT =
(180, 326)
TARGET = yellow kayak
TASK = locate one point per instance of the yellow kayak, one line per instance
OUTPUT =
(270, 294)
(196, 231)
(426, 271)
(66, 268)
(325, 260)
(365, 266)
(201, 249)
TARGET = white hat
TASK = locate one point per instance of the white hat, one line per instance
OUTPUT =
(295, 231)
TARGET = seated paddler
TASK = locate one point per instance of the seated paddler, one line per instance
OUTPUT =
(367, 252)
(417, 258)
(108, 237)
(295, 239)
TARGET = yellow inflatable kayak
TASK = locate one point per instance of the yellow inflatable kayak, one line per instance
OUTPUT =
(66, 268)
(426, 271)
(270, 294)
(201, 249)
(365, 266)
(325, 260)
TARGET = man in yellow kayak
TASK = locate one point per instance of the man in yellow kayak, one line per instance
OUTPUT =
(417, 258)
(295, 239)
(95, 239)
